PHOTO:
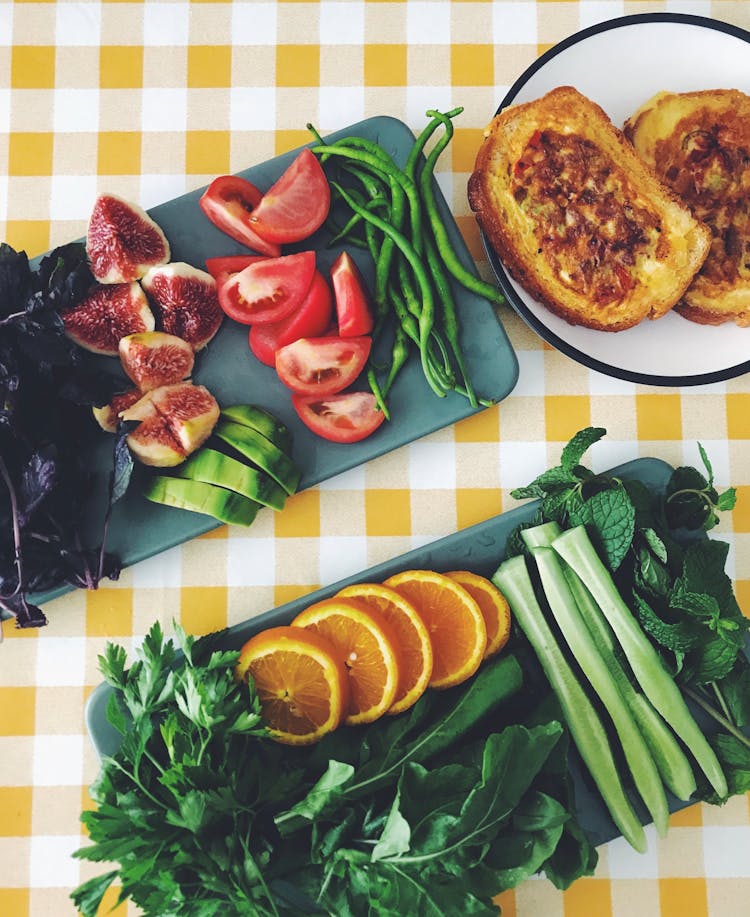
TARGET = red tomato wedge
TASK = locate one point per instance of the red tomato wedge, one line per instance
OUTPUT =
(296, 205)
(322, 366)
(230, 264)
(229, 202)
(311, 319)
(344, 418)
(354, 308)
(268, 290)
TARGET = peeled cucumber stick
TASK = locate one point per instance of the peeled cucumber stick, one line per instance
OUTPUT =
(669, 757)
(512, 578)
(671, 761)
(641, 764)
(575, 547)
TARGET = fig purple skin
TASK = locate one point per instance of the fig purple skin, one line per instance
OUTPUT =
(186, 301)
(122, 241)
(106, 314)
(154, 358)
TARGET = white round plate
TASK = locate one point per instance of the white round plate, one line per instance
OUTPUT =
(620, 64)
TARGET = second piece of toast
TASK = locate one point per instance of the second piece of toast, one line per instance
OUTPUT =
(699, 144)
(578, 219)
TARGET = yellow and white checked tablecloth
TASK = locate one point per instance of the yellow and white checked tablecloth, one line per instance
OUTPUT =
(150, 99)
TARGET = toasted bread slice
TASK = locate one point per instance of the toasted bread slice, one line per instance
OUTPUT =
(699, 144)
(578, 219)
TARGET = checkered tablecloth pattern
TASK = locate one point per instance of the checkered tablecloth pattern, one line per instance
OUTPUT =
(150, 99)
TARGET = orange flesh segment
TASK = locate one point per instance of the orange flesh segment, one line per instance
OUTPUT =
(412, 636)
(493, 605)
(453, 619)
(365, 644)
(301, 684)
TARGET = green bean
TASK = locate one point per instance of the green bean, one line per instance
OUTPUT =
(440, 233)
(450, 319)
(411, 163)
(389, 170)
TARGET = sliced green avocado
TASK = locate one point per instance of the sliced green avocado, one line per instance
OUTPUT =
(250, 415)
(216, 468)
(201, 497)
(262, 452)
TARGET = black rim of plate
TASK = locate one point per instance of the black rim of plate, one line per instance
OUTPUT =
(509, 290)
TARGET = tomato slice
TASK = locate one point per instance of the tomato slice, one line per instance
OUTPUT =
(268, 289)
(344, 418)
(322, 366)
(311, 319)
(229, 202)
(354, 308)
(296, 205)
(230, 264)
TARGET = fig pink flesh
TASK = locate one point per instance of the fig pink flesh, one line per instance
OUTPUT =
(155, 358)
(187, 302)
(108, 415)
(122, 241)
(176, 420)
(106, 314)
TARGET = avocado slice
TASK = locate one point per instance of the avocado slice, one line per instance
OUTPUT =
(201, 497)
(250, 415)
(262, 452)
(214, 467)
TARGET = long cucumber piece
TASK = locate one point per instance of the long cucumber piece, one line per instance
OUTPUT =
(670, 759)
(512, 578)
(641, 764)
(575, 547)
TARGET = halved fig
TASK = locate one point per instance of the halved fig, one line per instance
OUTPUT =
(122, 241)
(175, 421)
(108, 415)
(106, 314)
(154, 358)
(186, 300)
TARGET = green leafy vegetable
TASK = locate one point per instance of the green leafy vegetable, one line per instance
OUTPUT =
(435, 809)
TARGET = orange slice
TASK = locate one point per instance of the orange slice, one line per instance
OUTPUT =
(412, 637)
(493, 605)
(301, 683)
(453, 619)
(367, 647)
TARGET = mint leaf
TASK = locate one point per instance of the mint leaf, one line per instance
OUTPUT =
(573, 452)
(609, 517)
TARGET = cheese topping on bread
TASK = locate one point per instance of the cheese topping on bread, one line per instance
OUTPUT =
(699, 144)
(578, 219)
(595, 231)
